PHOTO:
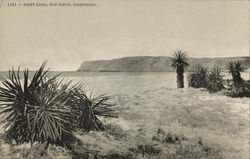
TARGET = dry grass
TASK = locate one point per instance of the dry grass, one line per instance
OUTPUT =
(167, 123)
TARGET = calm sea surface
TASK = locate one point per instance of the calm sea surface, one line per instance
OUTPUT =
(122, 82)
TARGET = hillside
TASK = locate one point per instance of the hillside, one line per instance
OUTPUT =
(154, 64)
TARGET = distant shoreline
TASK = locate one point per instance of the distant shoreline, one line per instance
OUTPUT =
(155, 64)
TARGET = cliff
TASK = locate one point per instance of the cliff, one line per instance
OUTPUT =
(154, 64)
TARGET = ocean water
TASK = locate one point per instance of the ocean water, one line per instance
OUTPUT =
(112, 83)
(124, 83)
(128, 82)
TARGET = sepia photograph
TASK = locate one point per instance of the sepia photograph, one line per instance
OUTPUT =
(124, 79)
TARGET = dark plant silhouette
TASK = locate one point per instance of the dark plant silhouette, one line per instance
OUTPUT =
(235, 68)
(238, 87)
(180, 63)
(198, 78)
(88, 109)
(32, 109)
(47, 110)
(215, 80)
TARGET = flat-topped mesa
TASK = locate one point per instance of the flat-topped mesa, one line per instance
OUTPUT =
(155, 64)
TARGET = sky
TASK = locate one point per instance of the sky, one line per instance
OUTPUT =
(67, 36)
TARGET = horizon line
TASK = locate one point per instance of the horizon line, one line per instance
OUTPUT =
(119, 58)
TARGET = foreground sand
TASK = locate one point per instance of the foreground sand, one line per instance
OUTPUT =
(165, 123)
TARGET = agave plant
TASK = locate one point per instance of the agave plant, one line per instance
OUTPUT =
(198, 78)
(179, 63)
(235, 68)
(215, 80)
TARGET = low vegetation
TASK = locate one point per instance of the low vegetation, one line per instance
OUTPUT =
(237, 87)
(202, 78)
(213, 80)
(168, 138)
(45, 109)
(198, 78)
(240, 90)
(235, 68)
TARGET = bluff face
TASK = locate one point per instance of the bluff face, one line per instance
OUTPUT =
(154, 64)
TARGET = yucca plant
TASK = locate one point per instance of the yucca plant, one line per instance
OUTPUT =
(46, 109)
(198, 78)
(235, 68)
(179, 62)
(89, 108)
(215, 80)
(238, 87)
(34, 110)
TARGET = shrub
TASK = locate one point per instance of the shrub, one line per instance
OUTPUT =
(87, 110)
(237, 87)
(117, 156)
(240, 90)
(47, 110)
(115, 131)
(235, 68)
(198, 78)
(168, 138)
(197, 151)
(215, 80)
(150, 149)
(33, 109)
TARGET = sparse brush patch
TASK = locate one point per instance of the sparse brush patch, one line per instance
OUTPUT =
(215, 80)
(116, 156)
(196, 151)
(239, 90)
(169, 138)
(150, 149)
(37, 151)
(45, 109)
(82, 153)
(187, 148)
(116, 131)
(198, 78)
